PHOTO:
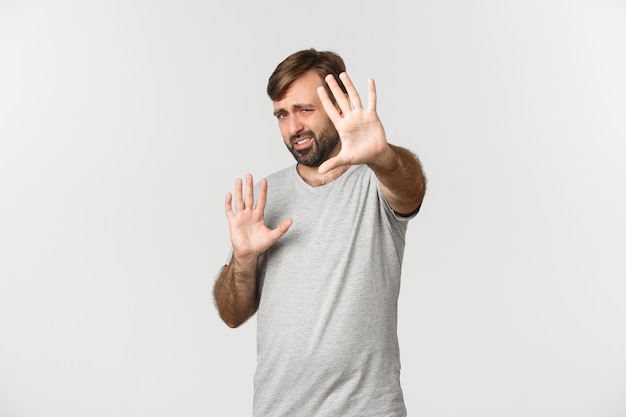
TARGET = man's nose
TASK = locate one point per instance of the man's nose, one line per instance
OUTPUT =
(295, 125)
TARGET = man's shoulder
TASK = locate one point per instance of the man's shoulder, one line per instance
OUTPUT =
(282, 175)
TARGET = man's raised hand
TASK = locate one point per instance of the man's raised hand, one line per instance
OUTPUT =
(248, 233)
(363, 139)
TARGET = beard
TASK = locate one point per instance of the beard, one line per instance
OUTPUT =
(322, 146)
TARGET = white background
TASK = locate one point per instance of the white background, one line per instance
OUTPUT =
(124, 123)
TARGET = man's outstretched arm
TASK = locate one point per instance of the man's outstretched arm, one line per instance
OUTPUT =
(401, 178)
(363, 141)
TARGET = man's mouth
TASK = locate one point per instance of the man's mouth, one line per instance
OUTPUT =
(302, 143)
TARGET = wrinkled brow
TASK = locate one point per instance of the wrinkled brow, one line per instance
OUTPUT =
(295, 107)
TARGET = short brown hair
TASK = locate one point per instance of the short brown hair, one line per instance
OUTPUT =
(296, 64)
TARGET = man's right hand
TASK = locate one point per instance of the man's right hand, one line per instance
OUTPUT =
(248, 233)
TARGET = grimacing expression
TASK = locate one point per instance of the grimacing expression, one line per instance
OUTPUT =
(307, 131)
(319, 150)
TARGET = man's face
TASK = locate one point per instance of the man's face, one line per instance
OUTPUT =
(306, 129)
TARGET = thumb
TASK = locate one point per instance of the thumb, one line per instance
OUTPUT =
(330, 164)
(282, 228)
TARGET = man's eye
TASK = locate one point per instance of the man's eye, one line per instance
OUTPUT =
(281, 115)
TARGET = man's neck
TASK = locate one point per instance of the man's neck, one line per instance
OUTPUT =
(311, 176)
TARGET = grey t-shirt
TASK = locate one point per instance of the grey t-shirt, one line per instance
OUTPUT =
(326, 339)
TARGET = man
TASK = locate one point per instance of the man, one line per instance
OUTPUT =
(318, 253)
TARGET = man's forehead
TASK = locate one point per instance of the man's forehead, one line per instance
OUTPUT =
(309, 81)
(301, 92)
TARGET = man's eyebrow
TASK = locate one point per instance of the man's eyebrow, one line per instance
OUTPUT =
(295, 106)
(278, 111)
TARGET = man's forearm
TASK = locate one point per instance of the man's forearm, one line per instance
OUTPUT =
(402, 180)
(235, 291)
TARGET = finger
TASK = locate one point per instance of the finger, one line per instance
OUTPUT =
(352, 93)
(249, 196)
(281, 229)
(238, 195)
(371, 90)
(340, 96)
(332, 163)
(228, 206)
(328, 105)
(262, 198)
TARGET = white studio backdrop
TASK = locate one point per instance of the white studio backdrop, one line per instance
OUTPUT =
(123, 125)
